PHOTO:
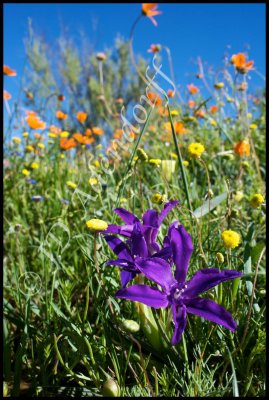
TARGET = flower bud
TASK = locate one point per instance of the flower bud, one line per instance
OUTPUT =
(220, 258)
(142, 155)
(130, 326)
(100, 56)
(111, 388)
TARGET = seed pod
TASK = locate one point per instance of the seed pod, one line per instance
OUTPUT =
(111, 388)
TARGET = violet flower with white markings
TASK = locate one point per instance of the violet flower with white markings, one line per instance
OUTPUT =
(176, 292)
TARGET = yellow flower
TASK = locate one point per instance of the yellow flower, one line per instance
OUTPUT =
(174, 113)
(196, 150)
(96, 164)
(71, 184)
(253, 126)
(29, 148)
(62, 155)
(219, 85)
(155, 161)
(123, 200)
(213, 122)
(41, 145)
(25, 172)
(16, 140)
(64, 134)
(135, 158)
(220, 257)
(238, 196)
(185, 163)
(96, 225)
(52, 135)
(158, 198)
(34, 165)
(173, 155)
(25, 134)
(93, 181)
(249, 115)
(256, 200)
(231, 239)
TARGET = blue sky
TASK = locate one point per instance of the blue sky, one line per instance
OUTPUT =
(189, 30)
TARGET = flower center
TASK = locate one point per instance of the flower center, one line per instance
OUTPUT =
(178, 291)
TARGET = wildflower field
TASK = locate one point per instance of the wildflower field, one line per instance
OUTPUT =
(134, 224)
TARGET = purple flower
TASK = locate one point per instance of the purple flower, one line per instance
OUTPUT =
(141, 239)
(32, 181)
(176, 292)
(37, 198)
(65, 201)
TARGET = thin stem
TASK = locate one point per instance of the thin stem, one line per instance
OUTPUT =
(180, 161)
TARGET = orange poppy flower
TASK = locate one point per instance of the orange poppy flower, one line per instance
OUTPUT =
(154, 48)
(154, 97)
(81, 116)
(118, 133)
(242, 148)
(6, 95)
(97, 131)
(67, 144)
(191, 103)
(34, 121)
(61, 115)
(88, 132)
(132, 135)
(170, 93)
(163, 111)
(239, 61)
(55, 129)
(213, 109)
(82, 139)
(200, 113)
(150, 10)
(8, 71)
(193, 89)
(38, 136)
(179, 127)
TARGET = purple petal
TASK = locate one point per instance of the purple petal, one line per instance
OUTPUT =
(212, 311)
(121, 263)
(126, 277)
(164, 253)
(139, 245)
(152, 297)
(182, 248)
(118, 247)
(158, 270)
(167, 208)
(150, 235)
(180, 320)
(125, 230)
(207, 278)
(126, 216)
(150, 218)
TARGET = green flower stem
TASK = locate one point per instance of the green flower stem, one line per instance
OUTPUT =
(180, 161)
(131, 160)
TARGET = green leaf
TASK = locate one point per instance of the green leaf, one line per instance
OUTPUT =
(256, 252)
(209, 205)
